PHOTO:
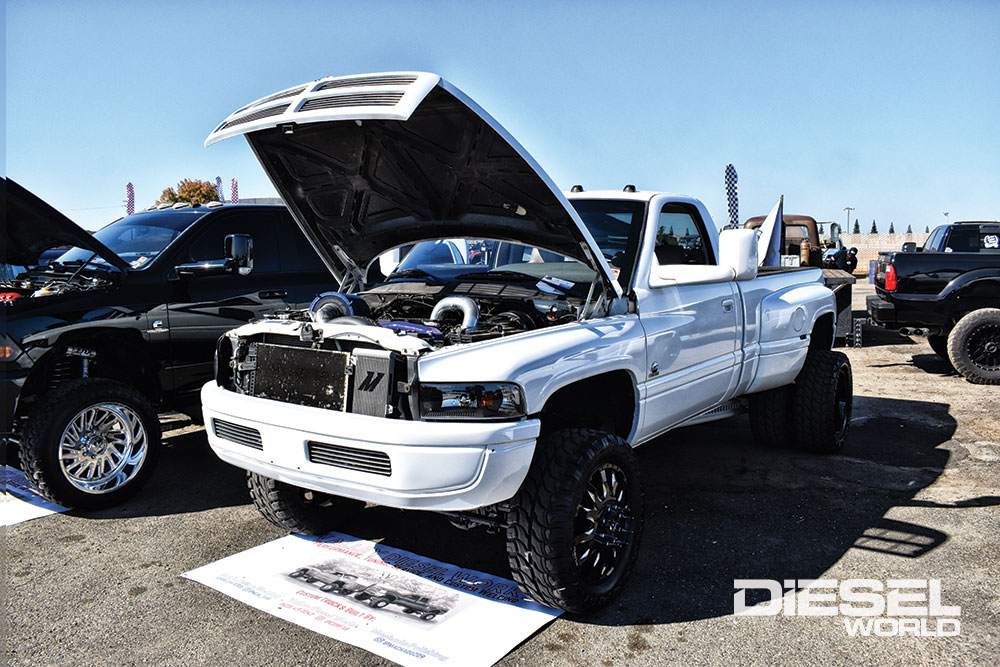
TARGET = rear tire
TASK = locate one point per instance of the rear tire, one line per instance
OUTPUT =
(299, 510)
(770, 417)
(574, 527)
(822, 400)
(974, 346)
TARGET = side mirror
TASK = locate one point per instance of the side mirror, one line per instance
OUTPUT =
(238, 260)
(239, 254)
(738, 251)
(909, 246)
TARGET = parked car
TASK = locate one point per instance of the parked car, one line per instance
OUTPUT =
(507, 394)
(125, 324)
(952, 297)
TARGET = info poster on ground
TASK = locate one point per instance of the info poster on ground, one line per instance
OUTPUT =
(19, 502)
(396, 604)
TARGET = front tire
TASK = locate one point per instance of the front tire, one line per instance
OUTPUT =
(90, 443)
(974, 346)
(299, 510)
(574, 526)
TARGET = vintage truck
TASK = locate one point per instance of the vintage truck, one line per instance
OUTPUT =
(505, 394)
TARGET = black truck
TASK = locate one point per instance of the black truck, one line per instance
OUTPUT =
(949, 291)
(124, 324)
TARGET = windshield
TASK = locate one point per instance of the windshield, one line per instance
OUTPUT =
(138, 238)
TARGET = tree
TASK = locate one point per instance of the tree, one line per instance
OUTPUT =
(821, 230)
(927, 229)
(874, 228)
(190, 191)
(909, 229)
(892, 230)
(857, 226)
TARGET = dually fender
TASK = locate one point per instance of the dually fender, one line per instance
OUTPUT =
(545, 360)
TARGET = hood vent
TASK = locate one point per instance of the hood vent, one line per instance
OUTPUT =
(352, 100)
(358, 82)
(257, 115)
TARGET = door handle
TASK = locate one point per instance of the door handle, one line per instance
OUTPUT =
(272, 294)
(727, 306)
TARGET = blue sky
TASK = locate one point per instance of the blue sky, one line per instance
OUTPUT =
(889, 107)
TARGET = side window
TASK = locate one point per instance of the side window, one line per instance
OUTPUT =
(931, 244)
(680, 236)
(210, 243)
(297, 254)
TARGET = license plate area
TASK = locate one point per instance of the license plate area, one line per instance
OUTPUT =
(304, 376)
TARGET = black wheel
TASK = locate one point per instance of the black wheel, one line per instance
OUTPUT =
(326, 588)
(770, 417)
(575, 524)
(939, 343)
(974, 346)
(299, 510)
(90, 443)
(377, 604)
(297, 574)
(428, 617)
(822, 398)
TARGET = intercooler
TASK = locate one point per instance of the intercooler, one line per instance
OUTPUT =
(360, 382)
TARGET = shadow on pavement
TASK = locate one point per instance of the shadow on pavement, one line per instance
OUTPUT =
(719, 508)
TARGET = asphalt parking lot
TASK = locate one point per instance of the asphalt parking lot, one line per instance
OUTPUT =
(914, 495)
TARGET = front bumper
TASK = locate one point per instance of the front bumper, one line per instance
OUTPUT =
(448, 466)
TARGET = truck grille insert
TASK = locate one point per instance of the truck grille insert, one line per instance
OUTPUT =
(369, 81)
(352, 100)
(256, 115)
(350, 458)
(241, 435)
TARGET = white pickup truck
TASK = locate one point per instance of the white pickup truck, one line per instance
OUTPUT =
(509, 392)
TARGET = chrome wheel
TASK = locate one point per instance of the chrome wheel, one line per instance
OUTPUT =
(604, 525)
(103, 447)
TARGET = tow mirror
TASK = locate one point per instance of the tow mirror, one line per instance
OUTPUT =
(239, 254)
(238, 260)
(738, 251)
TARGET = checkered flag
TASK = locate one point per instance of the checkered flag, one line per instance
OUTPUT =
(234, 193)
(734, 201)
(218, 188)
(129, 199)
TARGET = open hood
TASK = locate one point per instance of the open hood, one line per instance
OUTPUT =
(32, 227)
(370, 162)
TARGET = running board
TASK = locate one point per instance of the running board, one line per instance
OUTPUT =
(723, 411)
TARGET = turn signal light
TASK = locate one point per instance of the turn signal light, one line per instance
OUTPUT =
(890, 278)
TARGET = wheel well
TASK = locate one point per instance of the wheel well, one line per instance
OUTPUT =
(115, 355)
(606, 402)
(822, 333)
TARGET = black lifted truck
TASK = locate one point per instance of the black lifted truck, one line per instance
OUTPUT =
(124, 324)
(949, 291)
(419, 606)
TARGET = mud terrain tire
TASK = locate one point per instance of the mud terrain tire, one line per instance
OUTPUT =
(299, 510)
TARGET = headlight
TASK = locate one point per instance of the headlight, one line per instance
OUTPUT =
(493, 400)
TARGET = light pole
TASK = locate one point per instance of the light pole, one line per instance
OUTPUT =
(848, 209)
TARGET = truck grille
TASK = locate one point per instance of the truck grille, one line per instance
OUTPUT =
(352, 100)
(256, 115)
(350, 458)
(358, 82)
(241, 435)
